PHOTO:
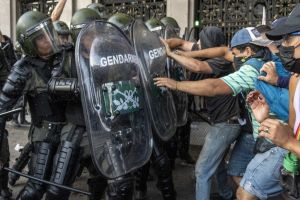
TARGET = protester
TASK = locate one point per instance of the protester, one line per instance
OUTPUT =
(261, 177)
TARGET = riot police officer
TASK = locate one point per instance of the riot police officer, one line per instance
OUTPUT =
(123, 21)
(159, 158)
(100, 9)
(63, 32)
(29, 76)
(73, 135)
(120, 188)
(181, 140)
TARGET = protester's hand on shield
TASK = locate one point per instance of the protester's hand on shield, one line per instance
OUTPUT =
(165, 82)
(258, 105)
(168, 49)
(277, 132)
(271, 75)
(182, 53)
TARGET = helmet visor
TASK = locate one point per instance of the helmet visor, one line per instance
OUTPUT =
(44, 39)
(157, 30)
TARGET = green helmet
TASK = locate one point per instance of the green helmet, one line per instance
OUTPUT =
(100, 9)
(80, 19)
(36, 34)
(121, 20)
(170, 21)
(154, 24)
(61, 28)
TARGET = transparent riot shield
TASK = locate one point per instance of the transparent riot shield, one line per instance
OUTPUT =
(152, 55)
(177, 72)
(115, 113)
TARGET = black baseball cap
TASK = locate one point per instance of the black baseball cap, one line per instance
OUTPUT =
(290, 26)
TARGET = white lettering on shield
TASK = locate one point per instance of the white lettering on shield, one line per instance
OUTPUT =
(117, 59)
(155, 53)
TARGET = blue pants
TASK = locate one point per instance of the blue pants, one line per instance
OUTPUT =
(209, 163)
(262, 174)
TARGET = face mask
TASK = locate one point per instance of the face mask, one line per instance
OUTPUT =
(290, 63)
(239, 61)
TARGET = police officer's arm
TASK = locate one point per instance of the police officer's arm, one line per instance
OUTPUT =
(207, 87)
(210, 53)
(180, 43)
(57, 11)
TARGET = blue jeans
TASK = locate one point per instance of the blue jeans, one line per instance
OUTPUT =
(209, 162)
(241, 154)
(262, 174)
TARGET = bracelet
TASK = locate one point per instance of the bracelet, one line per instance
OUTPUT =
(176, 86)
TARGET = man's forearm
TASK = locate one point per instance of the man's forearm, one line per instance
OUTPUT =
(179, 43)
(57, 11)
(207, 87)
(191, 64)
(207, 53)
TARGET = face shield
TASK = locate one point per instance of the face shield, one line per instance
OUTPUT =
(157, 30)
(43, 39)
(75, 29)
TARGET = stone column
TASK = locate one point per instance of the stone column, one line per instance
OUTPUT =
(182, 11)
(5, 13)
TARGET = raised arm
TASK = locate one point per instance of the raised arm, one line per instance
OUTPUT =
(57, 11)
(190, 64)
(180, 43)
(210, 53)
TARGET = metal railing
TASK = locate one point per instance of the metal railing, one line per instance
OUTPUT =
(232, 15)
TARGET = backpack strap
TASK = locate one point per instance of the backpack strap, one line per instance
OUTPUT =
(256, 63)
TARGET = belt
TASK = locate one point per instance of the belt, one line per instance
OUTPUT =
(233, 120)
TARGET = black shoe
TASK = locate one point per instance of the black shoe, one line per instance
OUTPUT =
(187, 160)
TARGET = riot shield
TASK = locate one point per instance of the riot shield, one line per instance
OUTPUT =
(160, 102)
(178, 73)
(116, 118)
